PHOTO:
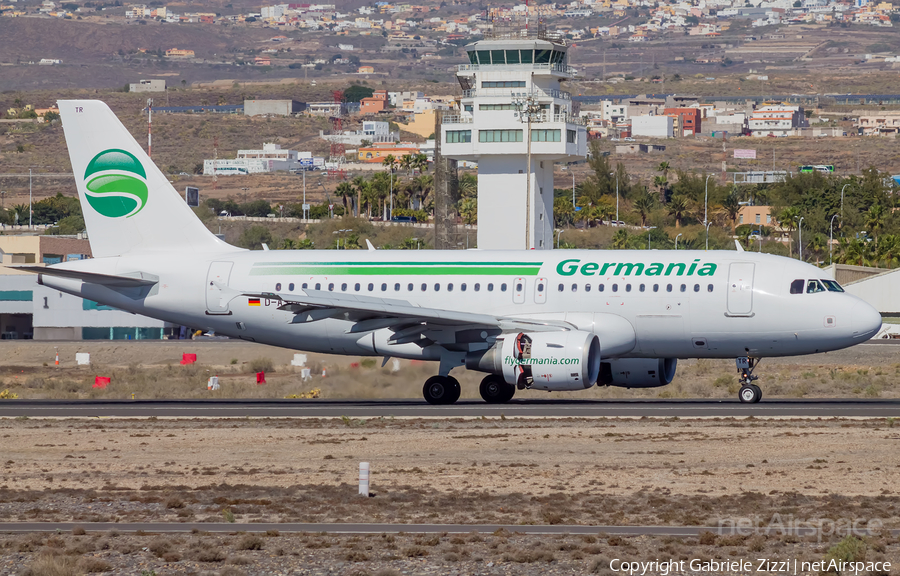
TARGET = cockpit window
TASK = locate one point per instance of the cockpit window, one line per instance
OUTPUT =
(814, 286)
(797, 286)
(832, 286)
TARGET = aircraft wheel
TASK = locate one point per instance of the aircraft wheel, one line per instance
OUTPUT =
(495, 390)
(750, 394)
(441, 390)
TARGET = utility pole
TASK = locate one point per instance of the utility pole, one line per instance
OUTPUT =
(528, 110)
(29, 199)
(216, 163)
(150, 127)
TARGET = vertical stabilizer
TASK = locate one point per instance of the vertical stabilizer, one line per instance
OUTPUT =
(129, 206)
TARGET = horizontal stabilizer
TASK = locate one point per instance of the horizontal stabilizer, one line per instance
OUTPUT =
(136, 280)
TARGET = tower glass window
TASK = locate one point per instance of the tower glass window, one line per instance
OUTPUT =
(500, 136)
(459, 136)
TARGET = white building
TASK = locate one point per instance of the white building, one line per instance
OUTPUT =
(235, 167)
(148, 86)
(653, 126)
(779, 119)
(490, 131)
(271, 158)
(614, 112)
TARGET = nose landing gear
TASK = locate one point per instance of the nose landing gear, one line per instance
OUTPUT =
(749, 392)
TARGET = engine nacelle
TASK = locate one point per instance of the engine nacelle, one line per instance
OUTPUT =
(543, 360)
(638, 372)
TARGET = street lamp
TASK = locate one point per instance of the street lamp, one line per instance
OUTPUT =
(616, 174)
(649, 235)
(558, 232)
(707, 234)
(842, 203)
(339, 238)
(800, 238)
(831, 239)
(676, 240)
(528, 110)
(706, 199)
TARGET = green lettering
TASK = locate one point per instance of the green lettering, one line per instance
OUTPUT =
(629, 268)
(589, 269)
(673, 266)
(654, 269)
(605, 267)
(565, 268)
(707, 270)
(693, 267)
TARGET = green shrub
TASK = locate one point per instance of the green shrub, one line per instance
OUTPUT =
(262, 364)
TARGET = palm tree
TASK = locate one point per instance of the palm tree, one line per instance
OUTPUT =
(818, 246)
(875, 220)
(605, 209)
(419, 162)
(620, 239)
(643, 206)
(662, 182)
(468, 210)
(889, 250)
(856, 253)
(424, 185)
(732, 207)
(787, 219)
(344, 189)
(359, 183)
(678, 207)
(406, 163)
(468, 185)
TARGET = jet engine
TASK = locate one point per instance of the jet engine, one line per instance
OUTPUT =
(542, 360)
(637, 372)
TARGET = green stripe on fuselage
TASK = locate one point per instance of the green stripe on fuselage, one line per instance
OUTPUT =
(410, 270)
(478, 264)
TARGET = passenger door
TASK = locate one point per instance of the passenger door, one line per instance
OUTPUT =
(216, 281)
(740, 289)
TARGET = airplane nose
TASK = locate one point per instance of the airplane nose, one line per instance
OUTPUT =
(865, 320)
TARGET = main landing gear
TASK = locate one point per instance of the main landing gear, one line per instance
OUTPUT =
(495, 390)
(749, 392)
(441, 390)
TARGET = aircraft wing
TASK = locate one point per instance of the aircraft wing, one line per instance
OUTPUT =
(406, 319)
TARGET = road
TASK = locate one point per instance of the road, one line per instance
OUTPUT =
(171, 527)
(811, 408)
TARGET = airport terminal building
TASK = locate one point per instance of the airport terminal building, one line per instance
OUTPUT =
(29, 310)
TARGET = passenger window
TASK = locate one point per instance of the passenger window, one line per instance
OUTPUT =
(683, 287)
(331, 287)
(642, 287)
(813, 286)
(409, 287)
(587, 287)
(503, 287)
(490, 287)
(450, 287)
(696, 287)
(601, 287)
(615, 287)
(462, 286)
(303, 286)
(278, 287)
(424, 287)
(356, 286)
(668, 287)
(437, 287)
(656, 287)
(628, 287)
(477, 286)
(318, 286)
(540, 287)
(574, 287)
(518, 286)
(797, 287)
(384, 287)
(371, 286)
(397, 287)
(561, 287)
(344, 287)
(709, 288)
(291, 287)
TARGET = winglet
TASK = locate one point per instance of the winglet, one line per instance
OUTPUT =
(737, 244)
(369, 244)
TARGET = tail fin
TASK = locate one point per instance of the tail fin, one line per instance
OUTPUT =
(129, 206)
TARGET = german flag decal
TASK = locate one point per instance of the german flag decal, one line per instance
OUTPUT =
(253, 301)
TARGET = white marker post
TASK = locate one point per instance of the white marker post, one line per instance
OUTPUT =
(364, 479)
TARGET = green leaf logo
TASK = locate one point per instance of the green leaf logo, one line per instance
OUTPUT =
(117, 186)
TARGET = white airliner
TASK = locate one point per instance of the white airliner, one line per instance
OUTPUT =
(545, 320)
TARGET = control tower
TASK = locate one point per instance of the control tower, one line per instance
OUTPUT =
(513, 111)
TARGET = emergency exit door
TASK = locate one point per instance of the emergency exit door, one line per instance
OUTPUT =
(740, 289)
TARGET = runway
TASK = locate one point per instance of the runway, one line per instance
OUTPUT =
(807, 408)
(220, 527)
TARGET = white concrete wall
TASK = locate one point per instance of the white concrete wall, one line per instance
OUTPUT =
(881, 291)
(502, 205)
(652, 126)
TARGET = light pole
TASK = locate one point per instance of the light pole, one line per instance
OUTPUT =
(706, 199)
(573, 189)
(707, 234)
(616, 174)
(558, 232)
(831, 239)
(842, 203)
(800, 237)
(676, 240)
(29, 199)
(528, 110)
(649, 235)
(391, 214)
(339, 237)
